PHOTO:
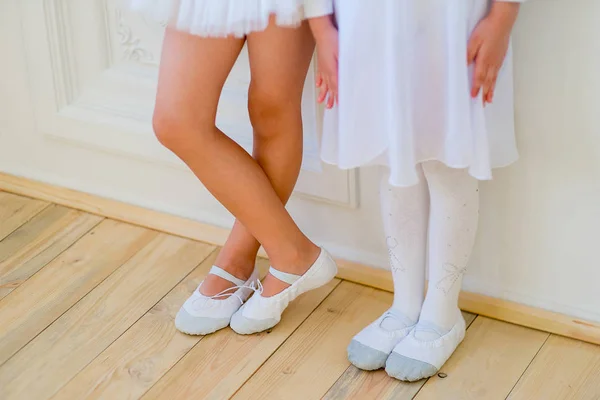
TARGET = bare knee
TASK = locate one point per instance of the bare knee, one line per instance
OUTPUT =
(165, 127)
(273, 113)
(176, 130)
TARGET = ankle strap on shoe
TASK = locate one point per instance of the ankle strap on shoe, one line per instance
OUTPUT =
(290, 279)
(220, 272)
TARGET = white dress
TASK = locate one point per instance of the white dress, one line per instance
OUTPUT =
(404, 91)
(220, 18)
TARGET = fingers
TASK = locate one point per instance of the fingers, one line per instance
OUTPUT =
(479, 77)
(331, 100)
(490, 96)
(323, 91)
(479, 74)
(319, 80)
(331, 95)
(472, 49)
(490, 84)
(333, 91)
(484, 80)
(327, 90)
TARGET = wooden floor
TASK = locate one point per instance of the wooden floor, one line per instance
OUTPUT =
(87, 307)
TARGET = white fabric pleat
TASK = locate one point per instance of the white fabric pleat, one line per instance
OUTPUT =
(220, 18)
(404, 91)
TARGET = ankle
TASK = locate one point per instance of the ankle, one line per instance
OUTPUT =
(297, 259)
(410, 313)
(442, 315)
(240, 267)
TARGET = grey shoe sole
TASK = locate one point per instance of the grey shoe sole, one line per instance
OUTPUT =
(246, 326)
(407, 369)
(188, 324)
(365, 357)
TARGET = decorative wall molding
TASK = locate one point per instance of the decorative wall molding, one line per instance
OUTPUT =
(132, 47)
(58, 27)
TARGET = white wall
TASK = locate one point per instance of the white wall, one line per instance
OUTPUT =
(78, 114)
(539, 231)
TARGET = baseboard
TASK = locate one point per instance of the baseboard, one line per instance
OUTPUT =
(503, 310)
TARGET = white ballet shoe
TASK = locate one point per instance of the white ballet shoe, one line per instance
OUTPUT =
(261, 313)
(202, 315)
(371, 347)
(414, 359)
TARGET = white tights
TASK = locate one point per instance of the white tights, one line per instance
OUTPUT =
(434, 223)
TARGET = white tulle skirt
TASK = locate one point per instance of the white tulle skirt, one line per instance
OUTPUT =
(220, 18)
(404, 91)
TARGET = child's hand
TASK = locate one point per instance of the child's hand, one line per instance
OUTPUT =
(488, 46)
(327, 56)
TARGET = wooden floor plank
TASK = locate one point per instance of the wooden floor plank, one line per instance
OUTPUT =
(314, 357)
(89, 327)
(565, 369)
(26, 250)
(359, 385)
(134, 363)
(220, 363)
(16, 210)
(33, 306)
(487, 364)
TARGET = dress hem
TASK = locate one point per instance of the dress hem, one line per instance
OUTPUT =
(221, 19)
(488, 177)
(218, 34)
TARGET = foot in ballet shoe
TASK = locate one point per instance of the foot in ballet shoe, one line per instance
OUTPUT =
(371, 347)
(260, 313)
(425, 350)
(202, 315)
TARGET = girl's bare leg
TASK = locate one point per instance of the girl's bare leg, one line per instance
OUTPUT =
(193, 72)
(279, 61)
